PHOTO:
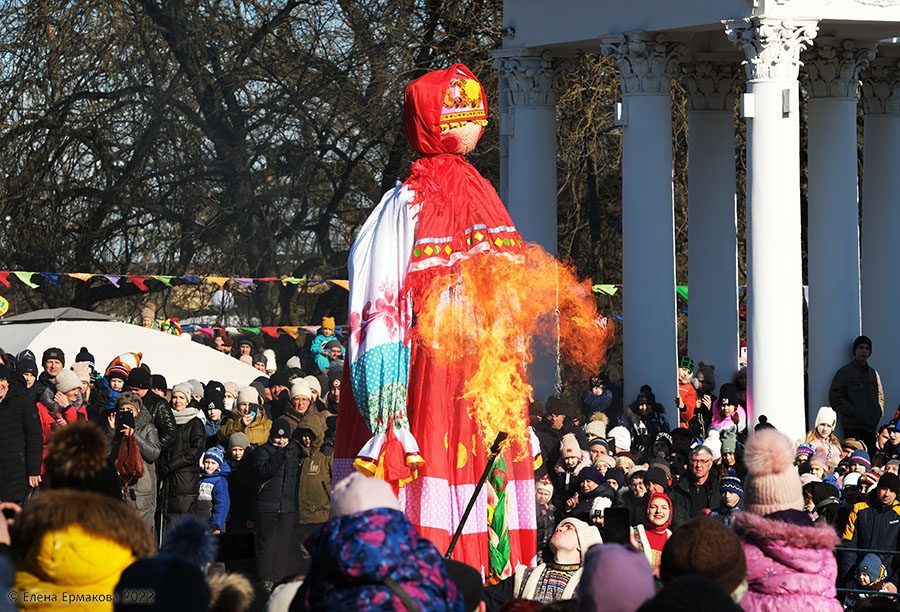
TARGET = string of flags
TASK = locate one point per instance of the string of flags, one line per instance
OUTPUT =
(172, 326)
(140, 281)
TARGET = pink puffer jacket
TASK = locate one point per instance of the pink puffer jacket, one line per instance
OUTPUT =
(789, 567)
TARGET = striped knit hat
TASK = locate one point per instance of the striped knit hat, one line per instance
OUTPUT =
(805, 450)
(861, 457)
(732, 484)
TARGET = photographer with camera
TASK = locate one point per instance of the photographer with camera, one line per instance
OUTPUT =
(135, 446)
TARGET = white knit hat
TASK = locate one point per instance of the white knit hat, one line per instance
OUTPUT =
(299, 388)
(773, 483)
(67, 380)
(622, 437)
(595, 429)
(826, 415)
(568, 446)
(314, 384)
(248, 395)
(714, 444)
(294, 362)
(588, 535)
(271, 362)
(357, 493)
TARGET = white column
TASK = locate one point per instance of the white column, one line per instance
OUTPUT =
(529, 127)
(881, 226)
(775, 299)
(647, 65)
(833, 226)
(713, 325)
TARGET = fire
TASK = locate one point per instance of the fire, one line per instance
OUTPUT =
(489, 312)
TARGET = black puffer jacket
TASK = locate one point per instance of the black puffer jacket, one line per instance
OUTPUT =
(277, 471)
(21, 442)
(162, 417)
(179, 468)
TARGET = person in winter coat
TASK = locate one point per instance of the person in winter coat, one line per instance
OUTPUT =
(553, 581)
(546, 522)
(249, 418)
(591, 485)
(141, 494)
(597, 398)
(213, 500)
(140, 380)
(874, 524)
(277, 464)
(790, 561)
(314, 483)
(213, 406)
(368, 556)
(317, 348)
(872, 576)
(644, 420)
(57, 408)
(21, 441)
(53, 361)
(572, 459)
(179, 467)
(857, 396)
(697, 490)
(732, 492)
(26, 368)
(823, 503)
(242, 483)
(76, 543)
(822, 439)
(727, 412)
(651, 536)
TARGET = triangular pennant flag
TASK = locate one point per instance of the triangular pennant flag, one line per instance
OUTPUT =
(165, 280)
(206, 331)
(269, 331)
(251, 330)
(618, 317)
(219, 280)
(291, 330)
(113, 279)
(343, 284)
(682, 291)
(53, 277)
(82, 276)
(310, 329)
(293, 280)
(246, 283)
(25, 277)
(607, 289)
(139, 282)
(268, 279)
(191, 280)
(4, 278)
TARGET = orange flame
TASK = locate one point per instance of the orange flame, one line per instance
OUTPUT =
(490, 311)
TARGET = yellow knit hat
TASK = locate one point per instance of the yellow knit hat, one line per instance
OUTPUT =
(328, 323)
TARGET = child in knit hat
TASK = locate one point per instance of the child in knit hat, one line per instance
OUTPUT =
(822, 439)
(732, 492)
(790, 561)
(545, 512)
(213, 499)
(871, 575)
(860, 462)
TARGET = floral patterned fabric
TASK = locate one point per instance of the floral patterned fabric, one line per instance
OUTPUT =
(353, 555)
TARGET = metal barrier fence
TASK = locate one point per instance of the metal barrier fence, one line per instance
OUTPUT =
(876, 551)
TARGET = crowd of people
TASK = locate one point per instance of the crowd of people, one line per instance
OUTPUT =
(116, 485)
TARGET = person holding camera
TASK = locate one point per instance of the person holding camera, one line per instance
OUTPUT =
(135, 446)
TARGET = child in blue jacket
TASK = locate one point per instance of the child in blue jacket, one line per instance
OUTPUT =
(213, 499)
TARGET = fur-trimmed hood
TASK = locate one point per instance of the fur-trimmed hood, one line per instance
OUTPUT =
(765, 532)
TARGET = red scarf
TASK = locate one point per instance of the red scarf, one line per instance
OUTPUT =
(657, 536)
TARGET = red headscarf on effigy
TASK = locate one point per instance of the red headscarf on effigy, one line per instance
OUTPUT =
(454, 196)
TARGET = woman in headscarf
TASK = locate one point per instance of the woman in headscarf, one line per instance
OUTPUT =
(651, 536)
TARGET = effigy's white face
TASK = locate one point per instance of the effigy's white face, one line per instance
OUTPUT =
(466, 137)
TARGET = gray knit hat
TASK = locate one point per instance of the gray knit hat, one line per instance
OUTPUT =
(239, 439)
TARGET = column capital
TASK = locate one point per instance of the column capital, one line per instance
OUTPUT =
(772, 45)
(833, 68)
(647, 63)
(710, 85)
(532, 79)
(881, 89)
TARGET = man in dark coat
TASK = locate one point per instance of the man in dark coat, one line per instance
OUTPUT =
(698, 489)
(856, 394)
(139, 381)
(20, 441)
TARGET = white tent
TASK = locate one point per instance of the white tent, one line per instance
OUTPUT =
(175, 357)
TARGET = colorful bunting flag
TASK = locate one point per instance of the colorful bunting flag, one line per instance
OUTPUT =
(219, 280)
(139, 282)
(4, 278)
(82, 276)
(113, 279)
(607, 289)
(165, 280)
(25, 277)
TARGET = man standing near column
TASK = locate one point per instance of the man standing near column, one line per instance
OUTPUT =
(857, 396)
